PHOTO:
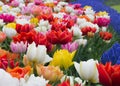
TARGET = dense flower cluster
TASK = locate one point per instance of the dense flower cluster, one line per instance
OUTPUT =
(40, 42)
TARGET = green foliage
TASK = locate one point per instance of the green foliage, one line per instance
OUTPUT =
(95, 47)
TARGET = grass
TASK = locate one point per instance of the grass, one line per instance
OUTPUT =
(116, 7)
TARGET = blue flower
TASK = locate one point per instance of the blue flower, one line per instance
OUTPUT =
(112, 55)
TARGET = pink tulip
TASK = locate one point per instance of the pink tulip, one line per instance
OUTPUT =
(37, 2)
(19, 47)
(70, 46)
(102, 21)
(7, 18)
(15, 3)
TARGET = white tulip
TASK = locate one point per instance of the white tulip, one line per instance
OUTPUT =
(76, 31)
(22, 21)
(87, 70)
(43, 26)
(10, 32)
(1, 22)
(37, 54)
(7, 80)
(33, 81)
(81, 41)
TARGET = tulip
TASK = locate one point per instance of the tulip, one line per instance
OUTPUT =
(59, 37)
(102, 21)
(70, 46)
(37, 2)
(63, 59)
(7, 18)
(109, 75)
(14, 3)
(7, 80)
(34, 21)
(25, 37)
(50, 73)
(18, 47)
(33, 81)
(105, 35)
(19, 72)
(2, 36)
(10, 32)
(37, 54)
(23, 28)
(87, 70)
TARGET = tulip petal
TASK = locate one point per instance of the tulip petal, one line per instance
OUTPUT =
(77, 67)
(104, 78)
(47, 59)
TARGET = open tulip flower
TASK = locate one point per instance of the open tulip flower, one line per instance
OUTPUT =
(37, 54)
(87, 70)
(109, 75)
(50, 73)
(62, 58)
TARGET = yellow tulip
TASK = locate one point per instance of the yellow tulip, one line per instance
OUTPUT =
(62, 58)
(11, 25)
(102, 13)
(86, 7)
(34, 21)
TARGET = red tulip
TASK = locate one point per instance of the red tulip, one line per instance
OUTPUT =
(23, 28)
(109, 75)
(59, 37)
(25, 37)
(105, 35)
(85, 30)
(40, 39)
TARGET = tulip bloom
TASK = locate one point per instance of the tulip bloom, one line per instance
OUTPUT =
(18, 47)
(2, 36)
(59, 37)
(102, 22)
(62, 58)
(7, 18)
(19, 72)
(7, 80)
(70, 46)
(23, 28)
(37, 54)
(105, 35)
(87, 70)
(109, 75)
(50, 73)
(33, 81)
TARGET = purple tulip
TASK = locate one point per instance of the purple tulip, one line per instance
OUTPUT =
(7, 18)
(19, 47)
(70, 46)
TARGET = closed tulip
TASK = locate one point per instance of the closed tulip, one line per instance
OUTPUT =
(87, 70)
(2, 36)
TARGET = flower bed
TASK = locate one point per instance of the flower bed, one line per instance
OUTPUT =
(54, 43)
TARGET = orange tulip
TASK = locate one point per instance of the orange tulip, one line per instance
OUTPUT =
(49, 72)
(2, 36)
(19, 72)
